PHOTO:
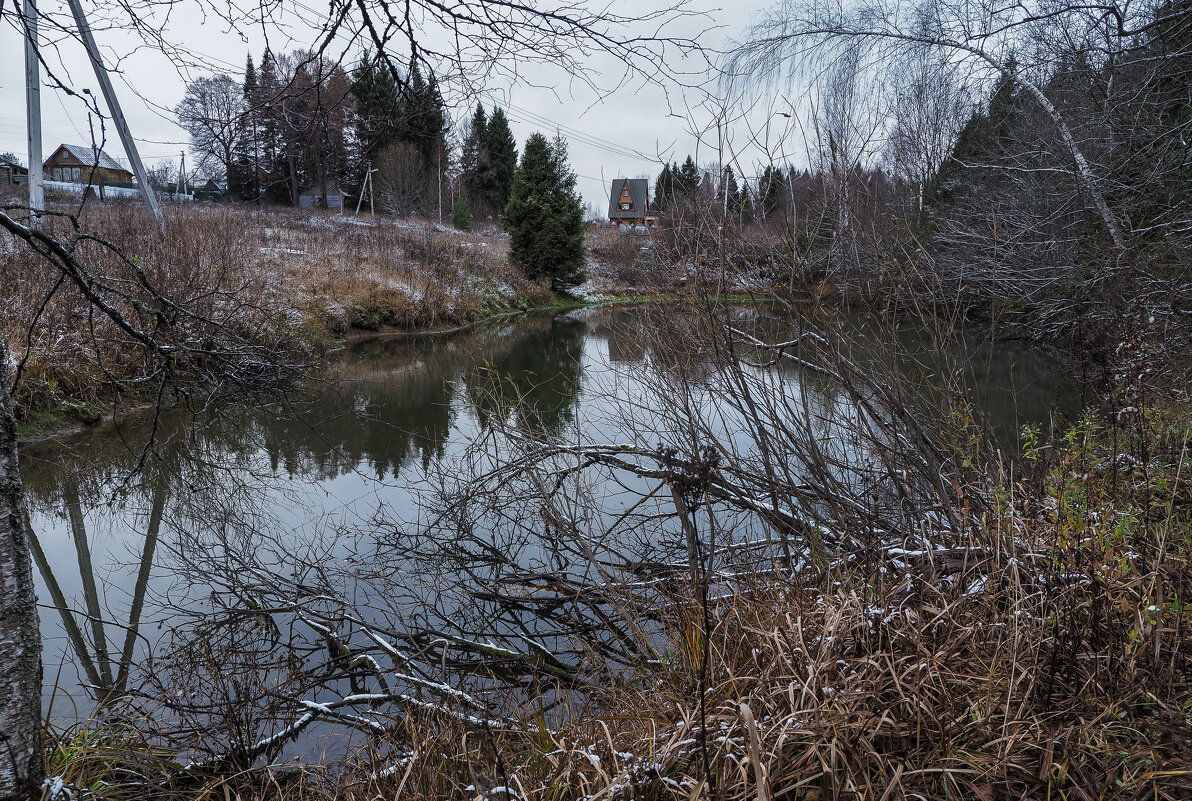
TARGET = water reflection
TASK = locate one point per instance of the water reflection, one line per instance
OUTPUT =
(339, 451)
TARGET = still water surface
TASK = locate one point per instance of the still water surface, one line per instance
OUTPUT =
(354, 449)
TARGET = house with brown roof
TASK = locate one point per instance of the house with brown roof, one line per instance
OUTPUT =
(629, 203)
(78, 164)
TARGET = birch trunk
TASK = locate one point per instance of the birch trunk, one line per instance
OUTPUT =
(21, 764)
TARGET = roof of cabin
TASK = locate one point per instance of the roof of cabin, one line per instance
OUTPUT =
(91, 157)
(639, 194)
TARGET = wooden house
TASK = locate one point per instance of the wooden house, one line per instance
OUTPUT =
(12, 174)
(78, 164)
(629, 203)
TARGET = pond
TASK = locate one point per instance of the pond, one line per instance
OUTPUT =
(310, 478)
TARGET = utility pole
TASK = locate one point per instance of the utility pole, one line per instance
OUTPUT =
(364, 186)
(180, 189)
(371, 210)
(37, 198)
(109, 93)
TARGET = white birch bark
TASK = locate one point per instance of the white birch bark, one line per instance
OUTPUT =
(20, 640)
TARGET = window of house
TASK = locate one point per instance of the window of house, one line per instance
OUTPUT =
(625, 206)
(57, 173)
(77, 174)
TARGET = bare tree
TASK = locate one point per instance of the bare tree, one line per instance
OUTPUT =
(214, 113)
(930, 109)
(183, 346)
(799, 33)
(402, 179)
(847, 121)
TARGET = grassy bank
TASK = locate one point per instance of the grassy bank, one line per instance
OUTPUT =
(307, 280)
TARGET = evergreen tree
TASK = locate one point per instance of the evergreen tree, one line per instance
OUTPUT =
(688, 179)
(379, 107)
(266, 109)
(771, 189)
(250, 157)
(461, 216)
(664, 188)
(743, 206)
(250, 77)
(423, 121)
(544, 216)
(473, 165)
(502, 154)
(727, 192)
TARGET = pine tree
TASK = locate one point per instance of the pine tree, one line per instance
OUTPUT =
(502, 153)
(544, 216)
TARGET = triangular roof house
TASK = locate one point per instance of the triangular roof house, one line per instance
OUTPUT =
(629, 200)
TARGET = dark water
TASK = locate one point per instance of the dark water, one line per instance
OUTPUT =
(112, 518)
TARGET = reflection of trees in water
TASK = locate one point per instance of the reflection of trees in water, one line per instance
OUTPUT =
(502, 585)
(538, 381)
(395, 400)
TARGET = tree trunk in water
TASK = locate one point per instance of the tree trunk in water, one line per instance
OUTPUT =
(21, 764)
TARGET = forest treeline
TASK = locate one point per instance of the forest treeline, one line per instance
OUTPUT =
(299, 122)
(1057, 184)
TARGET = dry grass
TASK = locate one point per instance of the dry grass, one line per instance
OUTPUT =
(305, 277)
(1052, 661)
(1049, 661)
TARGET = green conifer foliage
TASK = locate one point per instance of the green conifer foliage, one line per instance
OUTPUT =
(664, 188)
(544, 216)
(687, 179)
(378, 106)
(473, 161)
(461, 216)
(502, 154)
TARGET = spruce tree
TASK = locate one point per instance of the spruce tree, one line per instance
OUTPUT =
(664, 188)
(250, 77)
(771, 189)
(473, 160)
(267, 107)
(379, 107)
(687, 179)
(502, 154)
(544, 216)
(461, 216)
(743, 206)
(423, 121)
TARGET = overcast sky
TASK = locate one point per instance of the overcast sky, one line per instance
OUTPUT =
(606, 133)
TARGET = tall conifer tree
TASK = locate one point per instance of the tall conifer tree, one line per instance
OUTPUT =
(502, 153)
(544, 216)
